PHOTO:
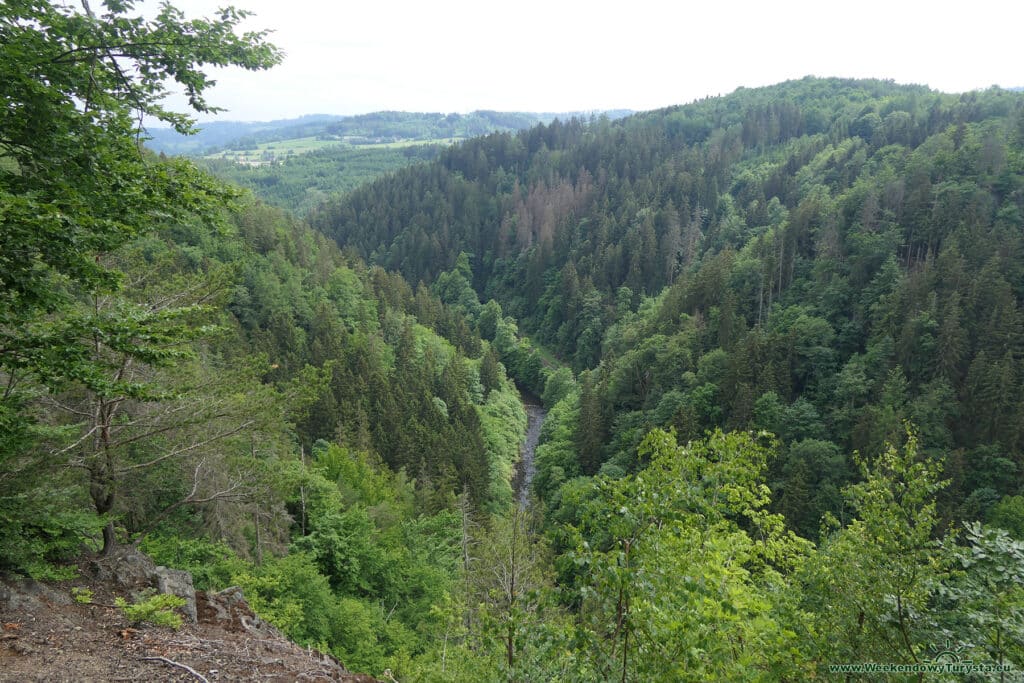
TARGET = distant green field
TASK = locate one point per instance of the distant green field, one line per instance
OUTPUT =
(278, 150)
(410, 143)
(302, 180)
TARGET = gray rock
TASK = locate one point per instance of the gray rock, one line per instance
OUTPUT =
(127, 566)
(229, 610)
(177, 582)
(13, 595)
(131, 569)
(232, 595)
(21, 592)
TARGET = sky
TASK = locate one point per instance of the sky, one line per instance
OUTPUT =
(565, 55)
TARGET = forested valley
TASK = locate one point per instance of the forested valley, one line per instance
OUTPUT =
(827, 270)
(778, 335)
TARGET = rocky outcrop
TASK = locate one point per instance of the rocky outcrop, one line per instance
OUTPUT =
(46, 635)
(23, 593)
(228, 610)
(177, 582)
(131, 569)
(126, 567)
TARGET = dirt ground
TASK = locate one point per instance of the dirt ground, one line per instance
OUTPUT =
(45, 635)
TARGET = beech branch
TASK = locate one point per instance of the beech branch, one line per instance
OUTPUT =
(198, 676)
(185, 449)
(232, 492)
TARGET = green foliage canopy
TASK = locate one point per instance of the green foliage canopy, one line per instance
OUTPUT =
(75, 186)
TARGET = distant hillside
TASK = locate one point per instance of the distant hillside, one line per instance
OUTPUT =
(215, 134)
(298, 164)
(386, 126)
(300, 182)
(393, 126)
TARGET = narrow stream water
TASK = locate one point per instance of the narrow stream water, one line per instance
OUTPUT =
(526, 467)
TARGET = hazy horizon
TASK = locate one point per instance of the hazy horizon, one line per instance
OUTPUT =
(460, 56)
(225, 118)
(228, 120)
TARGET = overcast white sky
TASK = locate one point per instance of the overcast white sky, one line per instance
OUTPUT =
(568, 55)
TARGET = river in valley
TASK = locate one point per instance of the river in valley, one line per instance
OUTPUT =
(526, 467)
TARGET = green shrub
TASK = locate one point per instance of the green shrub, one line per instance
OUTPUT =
(157, 610)
(37, 534)
(290, 593)
(211, 564)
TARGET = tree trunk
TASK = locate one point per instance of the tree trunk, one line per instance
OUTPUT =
(109, 539)
(510, 651)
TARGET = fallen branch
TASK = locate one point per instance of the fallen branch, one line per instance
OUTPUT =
(186, 667)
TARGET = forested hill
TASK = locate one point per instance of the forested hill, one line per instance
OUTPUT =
(364, 128)
(298, 164)
(823, 259)
(219, 134)
(275, 415)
